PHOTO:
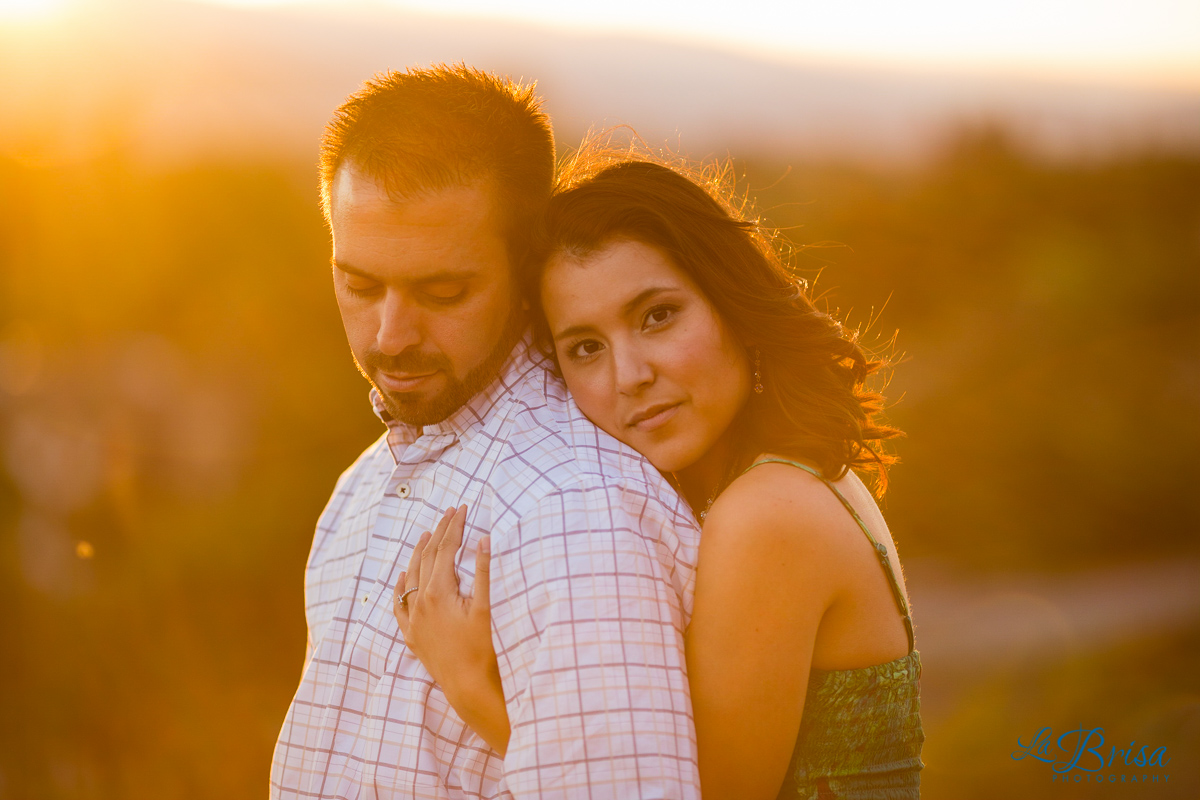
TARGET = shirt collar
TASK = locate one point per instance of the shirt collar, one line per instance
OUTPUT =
(475, 411)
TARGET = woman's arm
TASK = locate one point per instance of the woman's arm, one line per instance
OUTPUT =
(766, 577)
(451, 634)
(768, 571)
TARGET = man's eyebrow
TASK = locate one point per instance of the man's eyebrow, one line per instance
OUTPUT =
(442, 276)
(344, 267)
(446, 275)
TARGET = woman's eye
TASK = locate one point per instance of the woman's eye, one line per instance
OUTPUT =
(659, 315)
(584, 349)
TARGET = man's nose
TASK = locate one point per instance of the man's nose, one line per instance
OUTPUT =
(633, 372)
(399, 325)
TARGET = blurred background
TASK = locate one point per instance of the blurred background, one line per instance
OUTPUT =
(1014, 188)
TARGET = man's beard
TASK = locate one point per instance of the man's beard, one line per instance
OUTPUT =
(409, 407)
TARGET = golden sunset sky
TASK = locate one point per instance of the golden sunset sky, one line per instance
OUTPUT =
(861, 78)
(1142, 41)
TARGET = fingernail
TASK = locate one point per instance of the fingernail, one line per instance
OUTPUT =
(485, 544)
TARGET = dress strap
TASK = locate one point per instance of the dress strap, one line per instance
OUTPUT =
(880, 549)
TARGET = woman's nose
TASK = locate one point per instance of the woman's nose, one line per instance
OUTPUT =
(633, 372)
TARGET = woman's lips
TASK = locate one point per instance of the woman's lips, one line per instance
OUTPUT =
(404, 382)
(654, 418)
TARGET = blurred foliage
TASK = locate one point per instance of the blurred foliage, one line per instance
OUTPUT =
(180, 396)
(177, 399)
(1048, 317)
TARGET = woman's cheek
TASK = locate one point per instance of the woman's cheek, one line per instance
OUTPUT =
(701, 357)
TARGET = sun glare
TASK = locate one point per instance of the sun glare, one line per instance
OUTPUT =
(30, 10)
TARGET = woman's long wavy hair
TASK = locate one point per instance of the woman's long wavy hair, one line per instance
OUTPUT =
(815, 404)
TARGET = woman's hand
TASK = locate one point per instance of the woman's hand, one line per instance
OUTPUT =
(452, 634)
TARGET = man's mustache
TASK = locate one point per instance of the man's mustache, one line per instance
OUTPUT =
(407, 361)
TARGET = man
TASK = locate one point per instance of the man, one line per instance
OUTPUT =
(433, 181)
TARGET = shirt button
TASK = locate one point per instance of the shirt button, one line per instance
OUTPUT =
(366, 597)
(403, 490)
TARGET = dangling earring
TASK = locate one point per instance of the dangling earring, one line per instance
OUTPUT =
(758, 384)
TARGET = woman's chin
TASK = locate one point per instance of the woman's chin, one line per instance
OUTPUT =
(668, 451)
(670, 459)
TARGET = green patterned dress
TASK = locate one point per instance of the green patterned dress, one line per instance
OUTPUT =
(860, 735)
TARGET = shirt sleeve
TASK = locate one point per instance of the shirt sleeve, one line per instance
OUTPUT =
(589, 614)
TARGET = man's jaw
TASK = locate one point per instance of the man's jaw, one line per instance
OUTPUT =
(437, 396)
(426, 404)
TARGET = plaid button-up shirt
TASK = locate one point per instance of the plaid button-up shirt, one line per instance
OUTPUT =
(593, 568)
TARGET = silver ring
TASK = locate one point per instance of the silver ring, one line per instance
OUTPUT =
(403, 598)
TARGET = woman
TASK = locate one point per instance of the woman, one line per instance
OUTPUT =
(679, 332)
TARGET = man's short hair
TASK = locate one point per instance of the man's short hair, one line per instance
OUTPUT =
(435, 128)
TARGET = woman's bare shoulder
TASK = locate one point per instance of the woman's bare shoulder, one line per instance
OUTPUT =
(782, 506)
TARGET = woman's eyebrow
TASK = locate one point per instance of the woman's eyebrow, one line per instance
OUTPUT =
(574, 330)
(645, 295)
(626, 310)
